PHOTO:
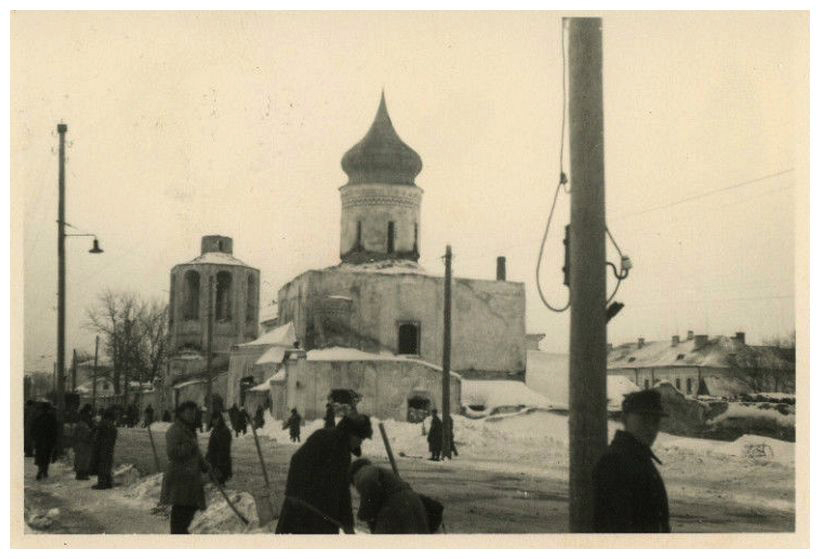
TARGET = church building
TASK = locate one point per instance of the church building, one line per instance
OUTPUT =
(370, 329)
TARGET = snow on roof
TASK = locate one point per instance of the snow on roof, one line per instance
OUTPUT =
(284, 336)
(189, 383)
(352, 354)
(493, 394)
(274, 354)
(220, 258)
(720, 352)
(279, 376)
(261, 387)
(548, 374)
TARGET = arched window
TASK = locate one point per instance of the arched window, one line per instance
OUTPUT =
(416, 237)
(391, 237)
(223, 296)
(250, 305)
(191, 295)
(688, 386)
(677, 383)
(358, 235)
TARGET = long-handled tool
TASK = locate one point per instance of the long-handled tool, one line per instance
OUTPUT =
(153, 448)
(263, 518)
(311, 508)
(427, 501)
(241, 517)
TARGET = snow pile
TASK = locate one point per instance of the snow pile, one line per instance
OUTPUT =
(781, 414)
(497, 396)
(125, 474)
(754, 448)
(218, 518)
(160, 426)
(148, 489)
(41, 520)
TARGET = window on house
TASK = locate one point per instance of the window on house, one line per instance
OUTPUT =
(391, 237)
(631, 359)
(223, 296)
(415, 237)
(677, 383)
(680, 356)
(219, 245)
(408, 338)
(250, 305)
(688, 386)
(646, 383)
(191, 295)
(358, 234)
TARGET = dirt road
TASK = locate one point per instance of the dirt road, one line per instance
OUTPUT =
(486, 496)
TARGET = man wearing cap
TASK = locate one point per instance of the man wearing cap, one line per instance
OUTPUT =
(630, 495)
(317, 493)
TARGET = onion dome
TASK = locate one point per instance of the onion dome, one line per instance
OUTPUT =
(381, 156)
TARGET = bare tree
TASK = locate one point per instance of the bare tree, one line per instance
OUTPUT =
(134, 334)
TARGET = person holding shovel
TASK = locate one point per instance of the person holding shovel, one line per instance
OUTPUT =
(317, 493)
(387, 503)
(182, 484)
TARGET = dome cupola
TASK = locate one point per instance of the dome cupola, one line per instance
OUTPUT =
(381, 157)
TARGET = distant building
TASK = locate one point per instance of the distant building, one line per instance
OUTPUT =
(370, 328)
(699, 365)
(234, 303)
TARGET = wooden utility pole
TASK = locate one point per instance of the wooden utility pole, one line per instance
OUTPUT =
(94, 382)
(61, 130)
(74, 372)
(587, 394)
(445, 358)
(208, 357)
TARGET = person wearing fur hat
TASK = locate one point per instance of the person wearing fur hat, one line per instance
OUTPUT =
(317, 491)
(387, 503)
(630, 495)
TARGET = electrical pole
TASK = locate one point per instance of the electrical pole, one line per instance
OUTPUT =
(587, 398)
(208, 387)
(94, 381)
(445, 360)
(61, 130)
(74, 372)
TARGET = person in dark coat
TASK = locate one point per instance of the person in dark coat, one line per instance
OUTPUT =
(630, 495)
(388, 504)
(219, 450)
(259, 418)
(294, 423)
(83, 444)
(104, 441)
(330, 416)
(199, 417)
(44, 432)
(182, 484)
(166, 416)
(434, 436)
(317, 492)
(449, 421)
(149, 415)
(233, 415)
(242, 420)
(29, 412)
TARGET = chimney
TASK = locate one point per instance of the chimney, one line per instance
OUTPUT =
(700, 341)
(675, 341)
(501, 268)
(641, 342)
(690, 335)
(741, 337)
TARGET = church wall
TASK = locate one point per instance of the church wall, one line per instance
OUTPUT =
(488, 316)
(385, 386)
(241, 365)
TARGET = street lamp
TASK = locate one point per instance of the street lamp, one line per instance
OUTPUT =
(61, 263)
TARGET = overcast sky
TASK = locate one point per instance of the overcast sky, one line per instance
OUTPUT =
(183, 125)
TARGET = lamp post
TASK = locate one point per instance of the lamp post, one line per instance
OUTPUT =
(61, 263)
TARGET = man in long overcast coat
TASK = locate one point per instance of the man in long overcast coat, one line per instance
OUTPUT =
(630, 495)
(317, 494)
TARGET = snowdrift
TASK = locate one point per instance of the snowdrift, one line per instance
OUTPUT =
(489, 397)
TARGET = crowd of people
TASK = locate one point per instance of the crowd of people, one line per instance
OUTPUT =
(630, 495)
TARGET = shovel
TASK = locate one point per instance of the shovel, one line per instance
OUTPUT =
(222, 491)
(264, 505)
(153, 448)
